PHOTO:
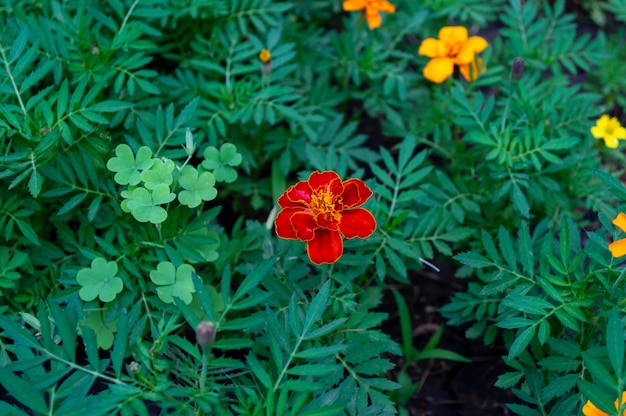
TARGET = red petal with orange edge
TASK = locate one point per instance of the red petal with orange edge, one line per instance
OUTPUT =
(305, 225)
(298, 195)
(331, 223)
(355, 193)
(284, 228)
(319, 180)
(326, 246)
(357, 222)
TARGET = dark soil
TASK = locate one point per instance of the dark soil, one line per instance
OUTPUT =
(448, 388)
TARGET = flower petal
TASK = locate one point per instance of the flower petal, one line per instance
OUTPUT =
(326, 246)
(432, 48)
(471, 47)
(328, 220)
(355, 193)
(620, 133)
(353, 5)
(298, 195)
(284, 228)
(453, 34)
(618, 248)
(357, 222)
(319, 180)
(597, 132)
(304, 225)
(471, 71)
(438, 69)
(374, 20)
(611, 142)
(620, 221)
(590, 409)
(603, 121)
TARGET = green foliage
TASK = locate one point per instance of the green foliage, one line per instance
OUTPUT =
(143, 147)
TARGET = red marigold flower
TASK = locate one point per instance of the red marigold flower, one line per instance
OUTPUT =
(322, 209)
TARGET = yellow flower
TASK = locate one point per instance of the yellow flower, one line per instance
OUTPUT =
(618, 248)
(590, 409)
(453, 47)
(372, 10)
(471, 71)
(265, 56)
(609, 129)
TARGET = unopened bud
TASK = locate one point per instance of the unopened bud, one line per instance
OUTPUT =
(134, 367)
(517, 70)
(205, 333)
(190, 146)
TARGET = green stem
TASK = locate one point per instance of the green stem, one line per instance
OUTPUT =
(17, 91)
(205, 364)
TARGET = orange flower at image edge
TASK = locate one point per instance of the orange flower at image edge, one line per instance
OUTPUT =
(454, 47)
(372, 10)
(322, 209)
(590, 409)
(618, 248)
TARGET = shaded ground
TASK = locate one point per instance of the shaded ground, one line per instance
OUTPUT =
(448, 388)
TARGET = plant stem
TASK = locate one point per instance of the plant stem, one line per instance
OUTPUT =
(17, 91)
(205, 362)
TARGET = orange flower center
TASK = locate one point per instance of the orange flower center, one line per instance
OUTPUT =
(324, 202)
(453, 49)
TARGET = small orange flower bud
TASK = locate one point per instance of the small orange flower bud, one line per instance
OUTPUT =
(265, 56)
(266, 61)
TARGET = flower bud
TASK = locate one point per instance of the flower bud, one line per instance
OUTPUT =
(205, 333)
(190, 146)
(266, 61)
(517, 69)
(134, 367)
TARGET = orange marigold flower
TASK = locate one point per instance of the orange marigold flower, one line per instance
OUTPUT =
(372, 10)
(322, 209)
(265, 56)
(590, 409)
(609, 129)
(453, 47)
(618, 248)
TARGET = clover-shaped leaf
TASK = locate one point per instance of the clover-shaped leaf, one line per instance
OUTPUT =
(159, 173)
(99, 280)
(173, 282)
(220, 162)
(104, 330)
(197, 188)
(127, 194)
(128, 167)
(145, 205)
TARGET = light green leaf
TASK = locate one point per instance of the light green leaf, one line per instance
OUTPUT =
(99, 280)
(173, 282)
(159, 173)
(197, 188)
(128, 167)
